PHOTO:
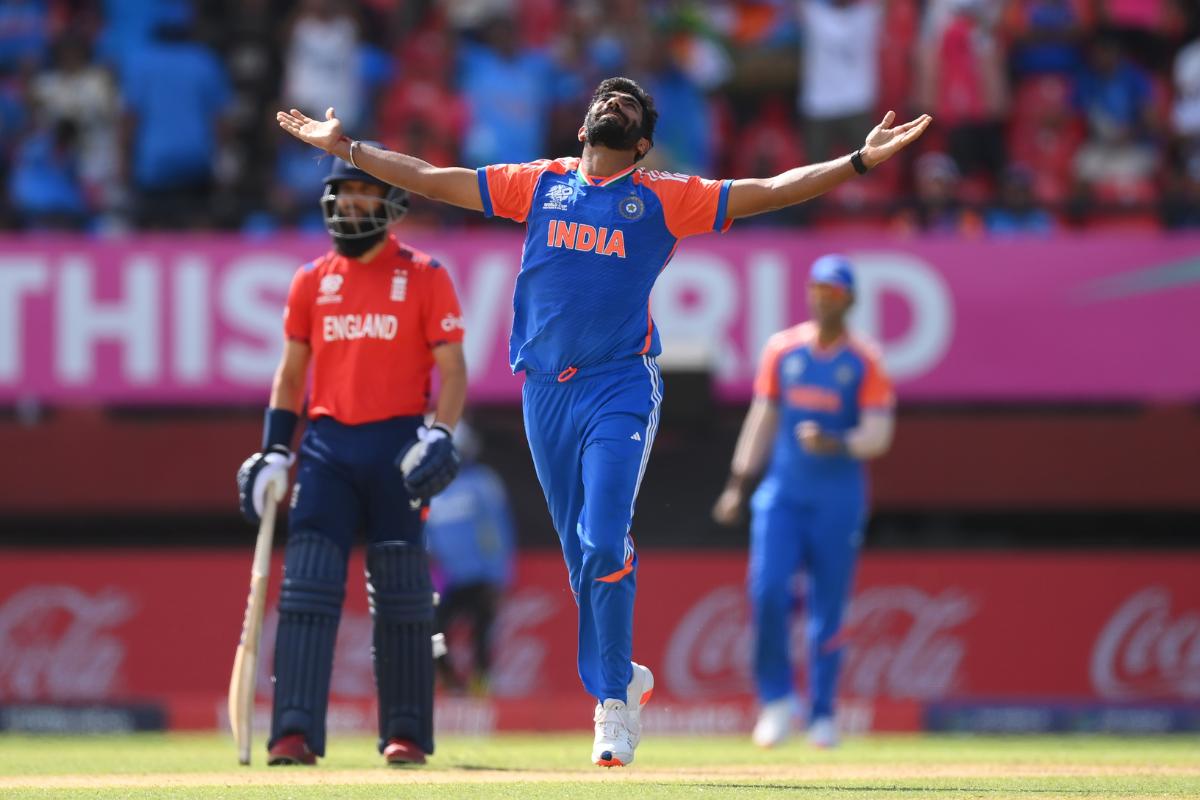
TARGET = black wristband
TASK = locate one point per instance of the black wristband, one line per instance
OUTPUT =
(279, 425)
(857, 162)
(443, 427)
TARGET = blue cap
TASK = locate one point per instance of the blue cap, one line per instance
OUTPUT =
(833, 269)
(342, 171)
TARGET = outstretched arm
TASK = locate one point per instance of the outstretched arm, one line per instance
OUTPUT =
(457, 186)
(749, 196)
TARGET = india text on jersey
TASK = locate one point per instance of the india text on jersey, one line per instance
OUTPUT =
(577, 236)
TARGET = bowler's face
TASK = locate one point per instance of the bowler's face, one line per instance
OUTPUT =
(623, 107)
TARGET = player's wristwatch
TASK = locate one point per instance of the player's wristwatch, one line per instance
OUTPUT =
(856, 161)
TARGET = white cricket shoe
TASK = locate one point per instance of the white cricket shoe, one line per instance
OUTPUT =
(637, 694)
(774, 723)
(823, 733)
(619, 724)
(615, 741)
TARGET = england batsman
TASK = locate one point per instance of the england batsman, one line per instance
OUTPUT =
(372, 318)
(599, 230)
(822, 405)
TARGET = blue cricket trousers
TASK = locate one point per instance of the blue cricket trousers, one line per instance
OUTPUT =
(822, 539)
(590, 432)
(347, 481)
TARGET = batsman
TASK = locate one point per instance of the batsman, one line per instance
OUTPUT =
(372, 318)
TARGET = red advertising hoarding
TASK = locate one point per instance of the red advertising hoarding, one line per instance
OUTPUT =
(926, 628)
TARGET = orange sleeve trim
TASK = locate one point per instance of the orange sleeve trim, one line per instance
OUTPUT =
(506, 190)
(690, 205)
(766, 382)
(876, 390)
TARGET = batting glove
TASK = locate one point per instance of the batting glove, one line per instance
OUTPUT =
(257, 474)
(430, 463)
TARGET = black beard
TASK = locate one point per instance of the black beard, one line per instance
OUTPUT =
(610, 132)
(353, 248)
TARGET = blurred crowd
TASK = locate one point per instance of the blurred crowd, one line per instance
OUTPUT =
(123, 115)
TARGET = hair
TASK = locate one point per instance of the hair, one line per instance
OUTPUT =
(630, 86)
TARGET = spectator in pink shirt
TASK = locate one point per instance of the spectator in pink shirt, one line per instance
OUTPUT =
(961, 81)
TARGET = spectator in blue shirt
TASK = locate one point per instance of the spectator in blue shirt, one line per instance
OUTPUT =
(24, 33)
(508, 91)
(470, 539)
(44, 187)
(1049, 40)
(1115, 98)
(176, 93)
(684, 140)
(129, 25)
(1017, 213)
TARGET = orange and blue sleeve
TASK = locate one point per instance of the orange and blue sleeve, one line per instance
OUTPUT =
(876, 390)
(766, 382)
(297, 314)
(693, 205)
(443, 316)
(507, 189)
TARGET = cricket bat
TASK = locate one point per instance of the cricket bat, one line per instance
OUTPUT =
(245, 661)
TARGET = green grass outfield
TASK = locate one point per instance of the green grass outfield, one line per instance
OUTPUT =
(556, 766)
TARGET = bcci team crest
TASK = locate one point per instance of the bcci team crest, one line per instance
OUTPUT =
(793, 367)
(632, 207)
(844, 374)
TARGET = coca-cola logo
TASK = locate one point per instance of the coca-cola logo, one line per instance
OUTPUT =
(1143, 652)
(905, 643)
(900, 642)
(709, 651)
(56, 643)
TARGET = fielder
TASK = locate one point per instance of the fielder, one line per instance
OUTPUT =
(822, 405)
(598, 232)
(373, 317)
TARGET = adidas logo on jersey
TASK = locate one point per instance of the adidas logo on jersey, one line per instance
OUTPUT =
(637, 437)
(577, 236)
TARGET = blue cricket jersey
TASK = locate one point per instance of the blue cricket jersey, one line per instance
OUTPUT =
(593, 250)
(829, 386)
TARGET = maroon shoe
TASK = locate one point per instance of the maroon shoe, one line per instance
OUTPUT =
(402, 752)
(291, 750)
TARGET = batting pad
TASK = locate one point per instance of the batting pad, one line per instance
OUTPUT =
(310, 607)
(401, 598)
